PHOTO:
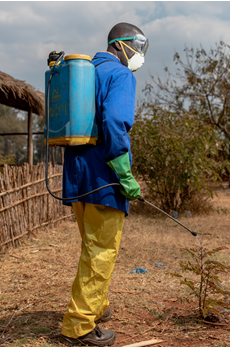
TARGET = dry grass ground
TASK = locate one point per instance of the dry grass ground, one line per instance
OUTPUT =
(36, 280)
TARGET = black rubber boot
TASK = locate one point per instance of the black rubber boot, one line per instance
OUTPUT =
(97, 337)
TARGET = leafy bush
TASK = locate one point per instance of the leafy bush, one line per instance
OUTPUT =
(174, 156)
(206, 288)
(8, 159)
(13, 122)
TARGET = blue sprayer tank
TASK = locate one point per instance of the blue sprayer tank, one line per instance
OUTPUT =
(72, 102)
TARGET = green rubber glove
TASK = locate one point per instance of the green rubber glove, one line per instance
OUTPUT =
(121, 165)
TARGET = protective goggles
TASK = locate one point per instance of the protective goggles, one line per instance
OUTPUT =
(140, 43)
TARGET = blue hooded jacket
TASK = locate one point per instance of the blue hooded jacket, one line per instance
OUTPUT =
(85, 167)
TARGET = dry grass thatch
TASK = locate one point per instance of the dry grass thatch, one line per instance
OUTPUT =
(21, 95)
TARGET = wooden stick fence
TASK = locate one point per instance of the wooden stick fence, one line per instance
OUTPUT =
(26, 205)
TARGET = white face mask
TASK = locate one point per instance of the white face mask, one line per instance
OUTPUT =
(136, 61)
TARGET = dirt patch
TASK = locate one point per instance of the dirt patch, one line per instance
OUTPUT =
(36, 280)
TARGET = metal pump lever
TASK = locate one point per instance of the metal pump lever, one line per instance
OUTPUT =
(143, 200)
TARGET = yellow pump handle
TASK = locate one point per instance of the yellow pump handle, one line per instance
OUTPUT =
(52, 63)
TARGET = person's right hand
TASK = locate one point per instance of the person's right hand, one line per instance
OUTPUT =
(129, 186)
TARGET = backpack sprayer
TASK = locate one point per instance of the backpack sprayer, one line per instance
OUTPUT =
(70, 110)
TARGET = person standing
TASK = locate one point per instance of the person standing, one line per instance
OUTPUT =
(100, 216)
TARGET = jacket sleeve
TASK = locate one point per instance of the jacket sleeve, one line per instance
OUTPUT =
(118, 115)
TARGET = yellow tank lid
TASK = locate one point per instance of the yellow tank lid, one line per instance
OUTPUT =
(77, 56)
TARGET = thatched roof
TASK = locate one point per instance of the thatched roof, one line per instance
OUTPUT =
(21, 95)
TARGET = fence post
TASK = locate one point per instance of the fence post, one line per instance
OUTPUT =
(30, 138)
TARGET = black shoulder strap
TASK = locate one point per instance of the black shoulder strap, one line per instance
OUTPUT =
(105, 61)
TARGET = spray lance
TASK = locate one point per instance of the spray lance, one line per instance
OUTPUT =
(168, 215)
(56, 58)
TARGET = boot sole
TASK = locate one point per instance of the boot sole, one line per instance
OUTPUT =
(87, 343)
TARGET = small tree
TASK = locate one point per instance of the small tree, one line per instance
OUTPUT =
(206, 287)
(201, 85)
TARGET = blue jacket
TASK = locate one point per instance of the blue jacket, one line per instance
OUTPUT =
(85, 167)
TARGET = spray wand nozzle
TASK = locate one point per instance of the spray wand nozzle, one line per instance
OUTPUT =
(143, 200)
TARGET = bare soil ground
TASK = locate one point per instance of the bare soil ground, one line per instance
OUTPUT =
(36, 280)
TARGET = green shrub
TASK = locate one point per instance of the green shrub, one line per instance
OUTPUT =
(8, 159)
(174, 156)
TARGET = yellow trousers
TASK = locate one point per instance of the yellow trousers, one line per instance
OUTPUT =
(100, 228)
